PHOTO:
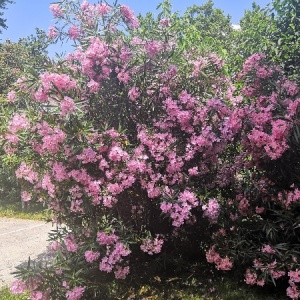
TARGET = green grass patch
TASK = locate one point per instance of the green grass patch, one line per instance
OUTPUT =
(15, 210)
(6, 295)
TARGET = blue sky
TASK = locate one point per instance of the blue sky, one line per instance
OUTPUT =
(25, 15)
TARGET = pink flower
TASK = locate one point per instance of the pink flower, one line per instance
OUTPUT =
(18, 287)
(93, 86)
(55, 245)
(56, 10)
(18, 122)
(212, 210)
(268, 249)
(291, 88)
(117, 154)
(38, 295)
(277, 274)
(59, 172)
(153, 48)
(212, 256)
(152, 246)
(294, 276)
(133, 93)
(250, 277)
(221, 263)
(188, 197)
(121, 273)
(164, 23)
(88, 155)
(260, 282)
(102, 9)
(26, 173)
(224, 264)
(129, 17)
(106, 239)
(91, 256)
(52, 32)
(166, 207)
(25, 196)
(11, 96)
(73, 32)
(244, 207)
(193, 171)
(123, 77)
(76, 293)
(259, 210)
(293, 292)
(71, 243)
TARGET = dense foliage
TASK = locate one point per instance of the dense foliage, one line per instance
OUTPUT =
(147, 150)
(16, 59)
(273, 30)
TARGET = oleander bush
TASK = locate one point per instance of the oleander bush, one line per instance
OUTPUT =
(147, 154)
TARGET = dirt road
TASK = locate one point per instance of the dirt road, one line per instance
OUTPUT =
(19, 240)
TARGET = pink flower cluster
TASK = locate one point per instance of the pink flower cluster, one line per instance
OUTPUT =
(221, 263)
(179, 211)
(56, 10)
(76, 293)
(91, 256)
(73, 32)
(52, 32)
(11, 96)
(251, 276)
(18, 122)
(115, 251)
(152, 246)
(212, 210)
(70, 243)
(67, 106)
(18, 287)
(62, 82)
(129, 16)
(293, 291)
(27, 173)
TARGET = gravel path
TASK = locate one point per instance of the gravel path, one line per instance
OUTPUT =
(19, 240)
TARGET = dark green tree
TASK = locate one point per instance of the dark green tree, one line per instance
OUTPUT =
(210, 27)
(253, 35)
(28, 54)
(273, 30)
(3, 4)
(15, 58)
(286, 14)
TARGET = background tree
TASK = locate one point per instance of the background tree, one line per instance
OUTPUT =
(3, 4)
(286, 38)
(203, 29)
(16, 59)
(208, 27)
(253, 35)
(273, 30)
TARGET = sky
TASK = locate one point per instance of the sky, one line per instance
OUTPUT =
(25, 15)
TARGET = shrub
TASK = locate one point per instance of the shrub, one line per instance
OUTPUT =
(141, 152)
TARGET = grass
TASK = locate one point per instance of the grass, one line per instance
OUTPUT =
(15, 210)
